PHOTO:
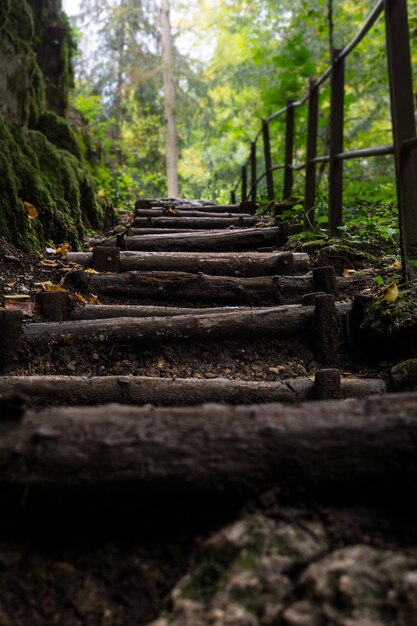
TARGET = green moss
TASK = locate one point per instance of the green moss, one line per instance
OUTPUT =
(36, 171)
(59, 132)
(205, 581)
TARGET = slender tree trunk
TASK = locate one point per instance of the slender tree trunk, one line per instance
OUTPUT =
(169, 100)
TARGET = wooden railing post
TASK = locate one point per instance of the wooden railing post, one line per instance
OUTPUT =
(337, 86)
(268, 161)
(403, 124)
(289, 148)
(233, 197)
(311, 153)
(253, 171)
(244, 195)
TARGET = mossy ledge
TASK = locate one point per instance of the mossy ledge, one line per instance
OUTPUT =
(40, 152)
(53, 180)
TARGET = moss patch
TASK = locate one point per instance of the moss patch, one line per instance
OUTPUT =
(36, 171)
(393, 327)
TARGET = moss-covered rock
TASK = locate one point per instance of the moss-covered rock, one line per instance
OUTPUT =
(59, 132)
(41, 155)
(404, 375)
(391, 328)
(53, 180)
(54, 46)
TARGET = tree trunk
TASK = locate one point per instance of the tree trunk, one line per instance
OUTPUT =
(169, 99)
(348, 447)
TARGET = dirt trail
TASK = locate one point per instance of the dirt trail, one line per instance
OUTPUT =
(120, 515)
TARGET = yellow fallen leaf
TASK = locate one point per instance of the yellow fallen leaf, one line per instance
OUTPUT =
(348, 272)
(396, 265)
(63, 249)
(102, 194)
(11, 284)
(391, 293)
(49, 286)
(80, 297)
(31, 211)
(93, 299)
(90, 270)
(172, 211)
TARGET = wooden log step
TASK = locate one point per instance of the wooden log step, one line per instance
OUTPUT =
(139, 390)
(190, 223)
(284, 321)
(357, 447)
(220, 263)
(161, 212)
(224, 241)
(242, 208)
(107, 311)
(178, 286)
(159, 231)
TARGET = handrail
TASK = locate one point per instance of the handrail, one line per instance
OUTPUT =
(404, 147)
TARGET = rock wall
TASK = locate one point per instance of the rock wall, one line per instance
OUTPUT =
(40, 152)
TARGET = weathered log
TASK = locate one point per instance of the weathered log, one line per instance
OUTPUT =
(284, 321)
(242, 208)
(179, 286)
(361, 446)
(159, 231)
(107, 311)
(228, 240)
(85, 390)
(161, 212)
(220, 264)
(176, 286)
(189, 223)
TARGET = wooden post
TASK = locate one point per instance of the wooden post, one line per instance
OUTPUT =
(244, 183)
(54, 306)
(268, 161)
(233, 197)
(289, 147)
(326, 332)
(106, 259)
(253, 171)
(11, 334)
(311, 153)
(336, 143)
(403, 125)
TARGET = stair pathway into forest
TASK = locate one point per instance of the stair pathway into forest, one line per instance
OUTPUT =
(214, 296)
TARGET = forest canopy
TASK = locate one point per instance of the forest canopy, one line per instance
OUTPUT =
(236, 62)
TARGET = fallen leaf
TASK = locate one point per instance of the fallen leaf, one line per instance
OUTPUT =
(391, 293)
(396, 265)
(93, 299)
(90, 270)
(11, 284)
(63, 249)
(21, 303)
(171, 211)
(49, 263)
(31, 211)
(102, 194)
(80, 297)
(49, 286)
(348, 272)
